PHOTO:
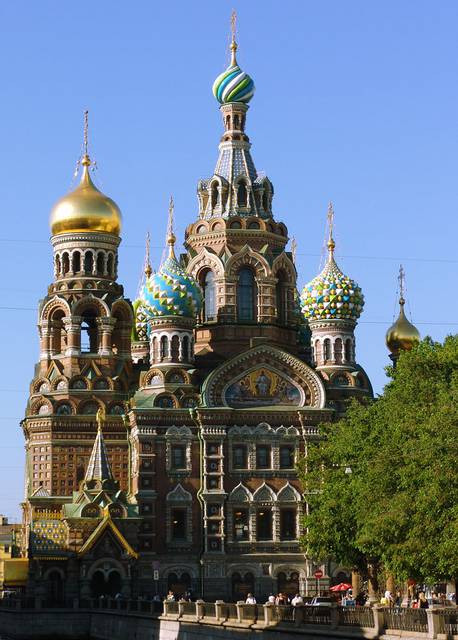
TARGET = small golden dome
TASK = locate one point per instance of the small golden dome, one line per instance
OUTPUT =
(85, 209)
(402, 335)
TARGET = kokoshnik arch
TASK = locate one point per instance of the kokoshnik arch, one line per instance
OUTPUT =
(162, 435)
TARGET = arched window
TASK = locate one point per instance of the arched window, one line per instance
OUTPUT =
(89, 332)
(246, 295)
(214, 195)
(65, 264)
(348, 350)
(88, 262)
(56, 587)
(338, 351)
(59, 335)
(327, 350)
(100, 261)
(110, 271)
(186, 356)
(209, 288)
(265, 201)
(57, 267)
(76, 262)
(236, 122)
(164, 348)
(175, 348)
(282, 298)
(242, 195)
(154, 353)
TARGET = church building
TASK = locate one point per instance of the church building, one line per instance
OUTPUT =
(162, 435)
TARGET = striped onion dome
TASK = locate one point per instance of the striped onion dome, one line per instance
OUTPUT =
(233, 85)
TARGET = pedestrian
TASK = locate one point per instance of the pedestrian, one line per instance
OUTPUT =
(250, 599)
(170, 596)
(271, 599)
(389, 598)
(297, 600)
(422, 601)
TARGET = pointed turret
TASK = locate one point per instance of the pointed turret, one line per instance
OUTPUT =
(98, 470)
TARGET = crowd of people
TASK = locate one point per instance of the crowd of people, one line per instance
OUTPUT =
(345, 599)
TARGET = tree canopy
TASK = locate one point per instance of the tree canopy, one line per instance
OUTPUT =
(382, 484)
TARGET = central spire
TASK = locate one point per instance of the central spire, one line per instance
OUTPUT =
(236, 187)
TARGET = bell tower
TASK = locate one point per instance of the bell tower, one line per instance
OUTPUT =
(84, 327)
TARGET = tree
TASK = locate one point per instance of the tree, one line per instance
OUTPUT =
(382, 484)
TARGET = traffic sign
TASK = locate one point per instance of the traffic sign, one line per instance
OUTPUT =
(318, 574)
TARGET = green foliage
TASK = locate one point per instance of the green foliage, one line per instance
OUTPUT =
(398, 506)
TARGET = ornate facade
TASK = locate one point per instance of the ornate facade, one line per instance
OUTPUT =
(208, 388)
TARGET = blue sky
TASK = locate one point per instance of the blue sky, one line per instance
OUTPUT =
(356, 102)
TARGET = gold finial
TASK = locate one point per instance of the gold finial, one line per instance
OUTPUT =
(100, 417)
(331, 243)
(402, 284)
(233, 41)
(148, 270)
(86, 161)
(170, 235)
(294, 249)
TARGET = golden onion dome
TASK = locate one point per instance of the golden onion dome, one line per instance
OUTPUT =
(85, 209)
(402, 335)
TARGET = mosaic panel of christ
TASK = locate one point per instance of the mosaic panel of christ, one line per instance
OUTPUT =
(262, 387)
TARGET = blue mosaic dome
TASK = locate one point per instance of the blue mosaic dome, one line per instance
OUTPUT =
(332, 294)
(171, 292)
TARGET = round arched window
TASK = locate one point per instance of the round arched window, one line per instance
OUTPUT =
(79, 384)
(101, 384)
(44, 410)
(236, 224)
(90, 408)
(117, 410)
(164, 402)
(64, 409)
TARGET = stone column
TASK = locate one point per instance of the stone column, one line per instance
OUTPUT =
(106, 326)
(73, 328)
(45, 340)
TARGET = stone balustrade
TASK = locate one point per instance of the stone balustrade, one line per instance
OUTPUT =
(371, 622)
(344, 622)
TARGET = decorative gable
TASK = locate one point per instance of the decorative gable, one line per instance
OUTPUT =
(264, 376)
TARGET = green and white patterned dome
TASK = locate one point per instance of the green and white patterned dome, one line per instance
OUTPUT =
(233, 85)
(332, 295)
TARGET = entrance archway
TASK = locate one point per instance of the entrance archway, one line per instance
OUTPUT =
(179, 584)
(288, 584)
(242, 586)
(105, 583)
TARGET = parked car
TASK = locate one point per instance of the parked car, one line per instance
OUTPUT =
(321, 601)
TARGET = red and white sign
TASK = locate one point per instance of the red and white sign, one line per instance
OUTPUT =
(318, 574)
